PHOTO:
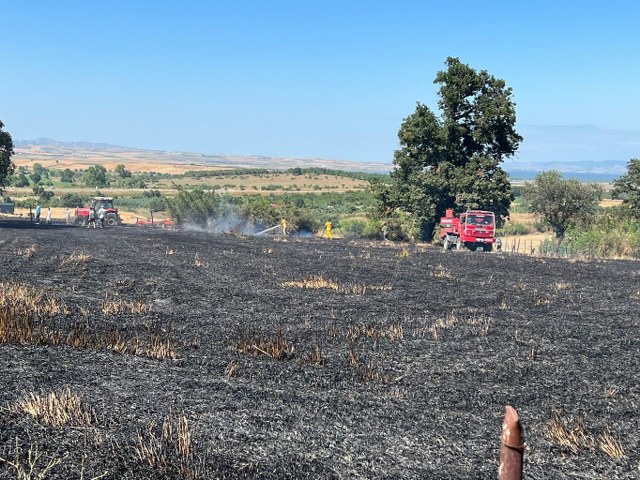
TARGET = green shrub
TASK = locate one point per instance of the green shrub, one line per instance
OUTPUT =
(352, 228)
(372, 229)
(196, 207)
(72, 200)
(514, 229)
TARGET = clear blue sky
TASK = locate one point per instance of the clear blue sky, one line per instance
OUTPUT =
(329, 79)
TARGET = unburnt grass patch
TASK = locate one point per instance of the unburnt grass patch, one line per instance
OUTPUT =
(31, 317)
(570, 434)
(277, 347)
(63, 408)
(76, 259)
(168, 446)
(319, 282)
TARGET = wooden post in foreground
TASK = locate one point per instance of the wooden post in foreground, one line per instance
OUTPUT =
(511, 446)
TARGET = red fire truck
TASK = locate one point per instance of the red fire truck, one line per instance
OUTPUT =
(473, 229)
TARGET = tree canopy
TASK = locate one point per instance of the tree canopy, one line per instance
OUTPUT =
(95, 176)
(562, 203)
(627, 187)
(6, 151)
(453, 160)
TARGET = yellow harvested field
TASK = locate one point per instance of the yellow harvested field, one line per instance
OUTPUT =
(610, 203)
(272, 183)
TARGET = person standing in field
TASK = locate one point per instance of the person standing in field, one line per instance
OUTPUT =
(68, 215)
(48, 220)
(92, 218)
(102, 215)
(284, 226)
(328, 226)
(38, 211)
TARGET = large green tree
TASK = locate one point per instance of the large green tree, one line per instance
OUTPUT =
(6, 151)
(562, 203)
(95, 176)
(627, 187)
(453, 160)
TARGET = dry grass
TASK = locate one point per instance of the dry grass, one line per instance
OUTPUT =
(197, 261)
(31, 317)
(319, 282)
(371, 373)
(118, 306)
(168, 446)
(75, 260)
(55, 409)
(28, 252)
(503, 305)
(315, 356)
(560, 286)
(231, 370)
(568, 433)
(441, 324)
(571, 434)
(442, 272)
(22, 311)
(391, 332)
(312, 283)
(158, 346)
(540, 299)
(483, 323)
(32, 464)
(279, 348)
(610, 445)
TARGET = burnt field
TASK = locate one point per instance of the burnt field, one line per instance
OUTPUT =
(141, 353)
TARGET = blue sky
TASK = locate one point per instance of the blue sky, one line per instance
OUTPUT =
(328, 79)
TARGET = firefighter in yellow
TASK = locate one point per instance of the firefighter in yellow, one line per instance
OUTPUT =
(327, 229)
(284, 226)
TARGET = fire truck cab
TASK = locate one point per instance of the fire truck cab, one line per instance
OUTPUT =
(473, 229)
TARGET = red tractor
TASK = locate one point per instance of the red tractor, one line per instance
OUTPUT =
(474, 229)
(112, 217)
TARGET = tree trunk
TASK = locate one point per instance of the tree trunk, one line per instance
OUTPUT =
(426, 232)
(556, 244)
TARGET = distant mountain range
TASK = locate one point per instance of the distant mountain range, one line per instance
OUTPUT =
(591, 171)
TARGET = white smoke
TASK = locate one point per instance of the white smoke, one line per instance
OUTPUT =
(228, 224)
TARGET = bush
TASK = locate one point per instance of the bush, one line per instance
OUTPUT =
(353, 228)
(306, 221)
(372, 229)
(514, 229)
(72, 200)
(197, 207)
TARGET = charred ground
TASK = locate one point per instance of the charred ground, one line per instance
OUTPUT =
(395, 362)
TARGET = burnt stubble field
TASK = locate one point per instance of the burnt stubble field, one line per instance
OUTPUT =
(144, 353)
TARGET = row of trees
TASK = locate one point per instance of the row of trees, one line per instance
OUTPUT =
(94, 176)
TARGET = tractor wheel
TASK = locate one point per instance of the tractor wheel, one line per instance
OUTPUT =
(82, 221)
(487, 247)
(112, 220)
